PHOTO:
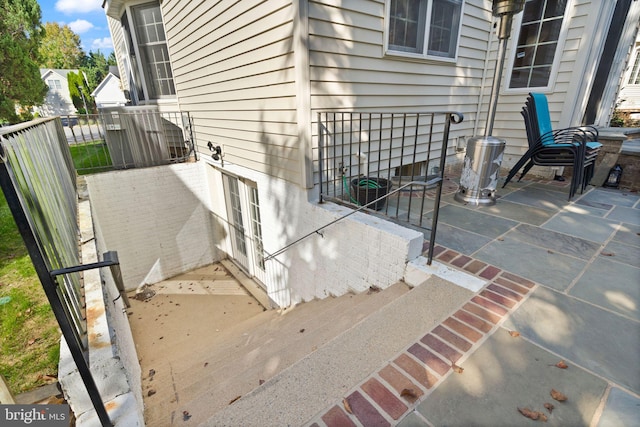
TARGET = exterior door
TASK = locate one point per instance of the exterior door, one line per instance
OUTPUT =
(243, 210)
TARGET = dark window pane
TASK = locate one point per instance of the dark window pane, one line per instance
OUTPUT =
(524, 56)
(555, 8)
(540, 77)
(545, 54)
(550, 30)
(528, 34)
(519, 78)
(532, 10)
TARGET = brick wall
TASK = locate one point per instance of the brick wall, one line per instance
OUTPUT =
(351, 255)
(156, 218)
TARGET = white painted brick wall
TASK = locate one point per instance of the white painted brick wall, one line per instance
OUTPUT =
(170, 219)
(353, 254)
(156, 218)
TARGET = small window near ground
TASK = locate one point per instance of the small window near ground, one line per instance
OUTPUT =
(423, 28)
(537, 43)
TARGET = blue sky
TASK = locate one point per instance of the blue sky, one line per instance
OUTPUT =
(85, 17)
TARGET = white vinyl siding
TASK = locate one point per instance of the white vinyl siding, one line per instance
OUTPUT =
(349, 70)
(117, 36)
(234, 72)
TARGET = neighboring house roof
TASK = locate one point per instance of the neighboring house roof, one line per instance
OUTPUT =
(62, 73)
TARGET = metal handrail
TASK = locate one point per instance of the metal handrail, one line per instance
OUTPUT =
(434, 181)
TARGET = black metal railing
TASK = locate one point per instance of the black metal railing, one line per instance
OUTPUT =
(128, 137)
(39, 183)
(364, 156)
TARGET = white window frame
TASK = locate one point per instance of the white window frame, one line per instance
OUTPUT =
(517, 25)
(141, 74)
(390, 51)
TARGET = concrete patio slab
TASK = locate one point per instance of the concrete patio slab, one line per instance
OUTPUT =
(458, 239)
(621, 252)
(508, 373)
(609, 197)
(622, 293)
(622, 409)
(596, 339)
(544, 266)
(475, 221)
(545, 198)
(584, 226)
(555, 242)
(628, 215)
(629, 234)
(516, 212)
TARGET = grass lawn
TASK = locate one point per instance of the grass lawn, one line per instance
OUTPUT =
(29, 333)
(91, 157)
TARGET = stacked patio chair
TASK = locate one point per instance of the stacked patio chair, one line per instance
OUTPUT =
(575, 146)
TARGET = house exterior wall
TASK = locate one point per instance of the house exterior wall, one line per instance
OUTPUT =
(233, 68)
(57, 102)
(156, 218)
(350, 256)
(109, 93)
(117, 36)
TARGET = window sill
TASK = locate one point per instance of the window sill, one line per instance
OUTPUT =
(415, 57)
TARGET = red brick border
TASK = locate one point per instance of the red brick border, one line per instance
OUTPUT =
(396, 388)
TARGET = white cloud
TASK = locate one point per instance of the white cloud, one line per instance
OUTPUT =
(80, 26)
(103, 43)
(75, 6)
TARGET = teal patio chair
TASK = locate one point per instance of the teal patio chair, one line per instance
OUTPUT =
(574, 146)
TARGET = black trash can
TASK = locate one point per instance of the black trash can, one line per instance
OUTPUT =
(367, 189)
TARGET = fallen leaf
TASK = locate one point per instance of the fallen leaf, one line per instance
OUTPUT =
(607, 254)
(32, 341)
(302, 330)
(534, 415)
(542, 417)
(457, 369)
(562, 365)
(151, 392)
(500, 239)
(234, 399)
(409, 394)
(549, 407)
(261, 382)
(557, 395)
(346, 405)
(514, 333)
(152, 372)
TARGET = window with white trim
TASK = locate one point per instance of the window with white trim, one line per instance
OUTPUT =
(54, 84)
(424, 28)
(537, 43)
(149, 64)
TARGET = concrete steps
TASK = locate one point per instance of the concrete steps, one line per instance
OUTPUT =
(203, 377)
(299, 393)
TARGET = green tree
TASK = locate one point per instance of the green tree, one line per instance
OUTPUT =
(20, 34)
(60, 48)
(80, 94)
(96, 68)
